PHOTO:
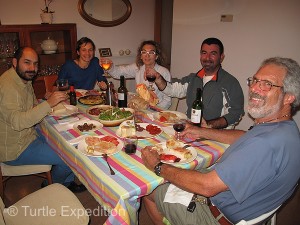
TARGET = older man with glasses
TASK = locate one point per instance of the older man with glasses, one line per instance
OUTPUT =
(256, 174)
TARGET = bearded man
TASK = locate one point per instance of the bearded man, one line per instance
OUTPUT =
(256, 174)
(20, 143)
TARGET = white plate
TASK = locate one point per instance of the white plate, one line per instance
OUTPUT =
(82, 147)
(97, 125)
(180, 115)
(70, 109)
(140, 134)
(182, 161)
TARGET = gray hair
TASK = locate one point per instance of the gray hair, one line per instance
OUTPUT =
(291, 81)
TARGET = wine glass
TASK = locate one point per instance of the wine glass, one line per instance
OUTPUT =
(179, 126)
(62, 84)
(150, 78)
(106, 64)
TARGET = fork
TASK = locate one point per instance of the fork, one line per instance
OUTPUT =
(105, 156)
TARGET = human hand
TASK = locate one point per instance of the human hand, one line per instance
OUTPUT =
(102, 85)
(191, 132)
(151, 71)
(150, 157)
(56, 97)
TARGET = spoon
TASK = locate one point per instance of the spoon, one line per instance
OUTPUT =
(105, 156)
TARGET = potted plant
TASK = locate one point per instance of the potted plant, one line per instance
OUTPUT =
(47, 14)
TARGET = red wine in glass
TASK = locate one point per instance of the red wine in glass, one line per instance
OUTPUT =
(130, 148)
(179, 126)
(151, 78)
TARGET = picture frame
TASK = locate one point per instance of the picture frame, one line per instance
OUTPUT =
(105, 52)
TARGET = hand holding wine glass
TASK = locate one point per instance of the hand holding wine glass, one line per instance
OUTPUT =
(150, 76)
(179, 126)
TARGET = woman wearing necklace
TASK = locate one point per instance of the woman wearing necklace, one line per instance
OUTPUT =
(85, 71)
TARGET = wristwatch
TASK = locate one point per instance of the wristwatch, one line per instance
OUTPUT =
(157, 168)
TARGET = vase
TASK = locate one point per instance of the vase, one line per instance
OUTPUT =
(47, 18)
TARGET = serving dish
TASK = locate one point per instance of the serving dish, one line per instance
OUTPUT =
(92, 100)
(94, 111)
(115, 122)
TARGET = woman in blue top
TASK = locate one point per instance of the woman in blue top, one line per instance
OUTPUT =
(85, 71)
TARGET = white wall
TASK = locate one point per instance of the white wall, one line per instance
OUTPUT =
(128, 35)
(260, 29)
(139, 26)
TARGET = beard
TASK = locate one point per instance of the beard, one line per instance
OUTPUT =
(26, 75)
(260, 110)
(208, 66)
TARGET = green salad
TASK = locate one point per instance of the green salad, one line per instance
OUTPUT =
(114, 114)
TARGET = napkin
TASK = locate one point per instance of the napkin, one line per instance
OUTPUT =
(76, 140)
(68, 126)
(67, 120)
(176, 195)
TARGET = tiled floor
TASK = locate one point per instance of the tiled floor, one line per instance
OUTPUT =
(18, 187)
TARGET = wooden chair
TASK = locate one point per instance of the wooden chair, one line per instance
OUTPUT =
(7, 171)
(64, 205)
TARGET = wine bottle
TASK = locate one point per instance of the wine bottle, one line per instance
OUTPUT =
(197, 107)
(122, 93)
(73, 100)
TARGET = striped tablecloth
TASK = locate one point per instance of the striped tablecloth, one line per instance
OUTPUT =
(119, 194)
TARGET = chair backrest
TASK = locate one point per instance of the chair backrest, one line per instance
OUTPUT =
(50, 82)
(259, 219)
(174, 104)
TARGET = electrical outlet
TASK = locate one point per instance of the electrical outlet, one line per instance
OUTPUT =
(226, 18)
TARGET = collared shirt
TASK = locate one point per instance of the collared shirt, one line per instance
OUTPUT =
(19, 113)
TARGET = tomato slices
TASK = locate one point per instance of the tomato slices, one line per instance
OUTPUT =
(110, 139)
(153, 130)
(169, 158)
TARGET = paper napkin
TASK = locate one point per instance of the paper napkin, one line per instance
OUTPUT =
(176, 195)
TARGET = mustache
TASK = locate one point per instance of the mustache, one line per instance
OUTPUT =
(255, 95)
(31, 72)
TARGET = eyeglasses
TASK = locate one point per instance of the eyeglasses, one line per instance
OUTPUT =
(264, 85)
(143, 52)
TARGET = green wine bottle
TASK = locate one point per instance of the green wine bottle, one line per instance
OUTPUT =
(197, 107)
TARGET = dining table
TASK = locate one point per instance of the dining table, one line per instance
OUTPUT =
(120, 194)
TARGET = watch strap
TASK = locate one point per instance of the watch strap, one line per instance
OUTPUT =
(157, 168)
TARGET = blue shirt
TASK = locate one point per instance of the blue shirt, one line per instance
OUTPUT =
(82, 78)
(261, 170)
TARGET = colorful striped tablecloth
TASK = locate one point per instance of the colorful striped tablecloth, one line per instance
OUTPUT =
(119, 194)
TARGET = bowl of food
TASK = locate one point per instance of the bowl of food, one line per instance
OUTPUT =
(115, 116)
(94, 111)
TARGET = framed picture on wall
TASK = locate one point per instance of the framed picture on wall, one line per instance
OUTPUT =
(105, 52)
